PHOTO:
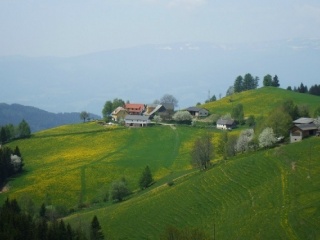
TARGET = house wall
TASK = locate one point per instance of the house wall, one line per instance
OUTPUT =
(119, 115)
(221, 126)
(136, 123)
(296, 136)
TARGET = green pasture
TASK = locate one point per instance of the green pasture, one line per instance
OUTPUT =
(270, 194)
(75, 164)
(260, 102)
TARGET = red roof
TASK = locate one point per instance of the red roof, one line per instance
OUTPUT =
(133, 107)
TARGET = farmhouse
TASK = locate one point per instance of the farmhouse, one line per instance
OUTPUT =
(136, 121)
(225, 123)
(153, 109)
(118, 113)
(198, 112)
(134, 108)
(303, 127)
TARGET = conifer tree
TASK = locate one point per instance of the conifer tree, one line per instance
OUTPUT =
(95, 230)
(146, 178)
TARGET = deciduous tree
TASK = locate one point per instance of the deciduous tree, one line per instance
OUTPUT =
(244, 140)
(237, 113)
(267, 138)
(24, 129)
(202, 151)
(119, 190)
(267, 80)
(168, 98)
(84, 115)
(182, 117)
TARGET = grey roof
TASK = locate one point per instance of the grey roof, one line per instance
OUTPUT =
(225, 121)
(306, 127)
(195, 109)
(303, 120)
(137, 117)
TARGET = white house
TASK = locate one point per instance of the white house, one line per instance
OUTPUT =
(136, 120)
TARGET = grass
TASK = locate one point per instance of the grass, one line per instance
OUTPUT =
(260, 102)
(255, 196)
(76, 164)
(269, 194)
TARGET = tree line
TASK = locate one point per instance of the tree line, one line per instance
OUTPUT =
(17, 224)
(10, 132)
(313, 90)
(11, 163)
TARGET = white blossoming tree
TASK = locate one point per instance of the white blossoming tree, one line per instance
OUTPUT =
(244, 140)
(267, 138)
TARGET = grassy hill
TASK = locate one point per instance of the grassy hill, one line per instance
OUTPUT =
(261, 101)
(268, 194)
(75, 164)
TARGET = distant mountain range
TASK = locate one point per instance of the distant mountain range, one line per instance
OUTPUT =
(36, 118)
(190, 71)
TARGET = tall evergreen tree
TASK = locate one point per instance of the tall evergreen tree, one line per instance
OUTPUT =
(95, 229)
(3, 135)
(146, 178)
(248, 82)
(275, 81)
(238, 84)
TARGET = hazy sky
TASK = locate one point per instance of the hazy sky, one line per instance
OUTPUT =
(74, 27)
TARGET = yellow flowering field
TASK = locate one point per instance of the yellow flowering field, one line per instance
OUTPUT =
(77, 163)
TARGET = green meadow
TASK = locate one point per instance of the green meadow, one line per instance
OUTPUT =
(267, 194)
(261, 101)
(270, 194)
(76, 164)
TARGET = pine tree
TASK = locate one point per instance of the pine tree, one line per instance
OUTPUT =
(238, 84)
(95, 230)
(275, 81)
(146, 178)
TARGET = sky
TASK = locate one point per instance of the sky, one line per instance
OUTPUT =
(75, 27)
